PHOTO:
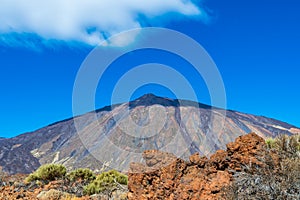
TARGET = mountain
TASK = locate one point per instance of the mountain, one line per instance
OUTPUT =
(115, 136)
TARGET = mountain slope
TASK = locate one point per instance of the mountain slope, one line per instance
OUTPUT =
(115, 136)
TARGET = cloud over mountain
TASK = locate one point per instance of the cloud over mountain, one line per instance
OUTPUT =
(86, 21)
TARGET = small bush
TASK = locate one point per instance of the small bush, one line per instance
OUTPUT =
(289, 146)
(53, 194)
(107, 181)
(48, 172)
(32, 177)
(270, 142)
(81, 174)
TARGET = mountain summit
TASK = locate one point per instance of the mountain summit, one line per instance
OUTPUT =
(117, 135)
(151, 99)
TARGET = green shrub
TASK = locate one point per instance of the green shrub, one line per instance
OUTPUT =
(32, 177)
(81, 174)
(48, 172)
(270, 143)
(107, 181)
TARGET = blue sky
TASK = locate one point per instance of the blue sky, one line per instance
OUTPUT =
(255, 45)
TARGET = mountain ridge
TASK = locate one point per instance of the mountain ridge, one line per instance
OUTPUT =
(189, 127)
(184, 102)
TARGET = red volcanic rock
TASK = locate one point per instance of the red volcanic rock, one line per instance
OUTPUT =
(245, 150)
(166, 177)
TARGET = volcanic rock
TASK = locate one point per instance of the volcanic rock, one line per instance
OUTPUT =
(166, 177)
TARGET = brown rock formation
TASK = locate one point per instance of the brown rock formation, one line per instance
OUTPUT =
(166, 177)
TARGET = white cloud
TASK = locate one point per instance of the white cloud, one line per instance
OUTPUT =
(86, 21)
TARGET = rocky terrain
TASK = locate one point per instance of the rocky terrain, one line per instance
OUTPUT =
(198, 178)
(117, 135)
(249, 168)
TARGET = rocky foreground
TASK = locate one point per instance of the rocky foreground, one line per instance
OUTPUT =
(248, 169)
(198, 178)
